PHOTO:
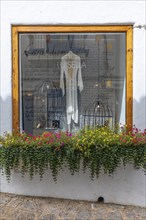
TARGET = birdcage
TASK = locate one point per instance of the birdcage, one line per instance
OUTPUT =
(50, 106)
(97, 113)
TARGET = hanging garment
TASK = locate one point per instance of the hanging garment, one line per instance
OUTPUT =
(71, 69)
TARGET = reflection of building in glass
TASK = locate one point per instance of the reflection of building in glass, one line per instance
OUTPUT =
(98, 64)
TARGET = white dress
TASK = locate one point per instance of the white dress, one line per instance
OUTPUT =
(71, 72)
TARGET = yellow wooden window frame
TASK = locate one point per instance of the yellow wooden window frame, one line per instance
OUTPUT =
(17, 29)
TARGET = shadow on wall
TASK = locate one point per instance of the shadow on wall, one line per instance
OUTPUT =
(139, 113)
(5, 115)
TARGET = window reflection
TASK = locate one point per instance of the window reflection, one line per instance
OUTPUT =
(71, 81)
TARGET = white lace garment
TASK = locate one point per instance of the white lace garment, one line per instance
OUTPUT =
(71, 72)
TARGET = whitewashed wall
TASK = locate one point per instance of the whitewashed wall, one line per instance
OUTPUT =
(128, 188)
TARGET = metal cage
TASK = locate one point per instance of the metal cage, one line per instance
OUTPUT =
(50, 111)
(97, 113)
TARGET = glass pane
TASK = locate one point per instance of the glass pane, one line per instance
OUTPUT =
(71, 81)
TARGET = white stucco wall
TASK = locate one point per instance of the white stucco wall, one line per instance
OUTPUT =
(73, 12)
(128, 186)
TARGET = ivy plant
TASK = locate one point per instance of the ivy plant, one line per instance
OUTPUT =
(98, 149)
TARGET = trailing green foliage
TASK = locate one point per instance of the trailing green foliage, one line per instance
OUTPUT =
(100, 149)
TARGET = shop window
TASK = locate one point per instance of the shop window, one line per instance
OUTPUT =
(72, 77)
